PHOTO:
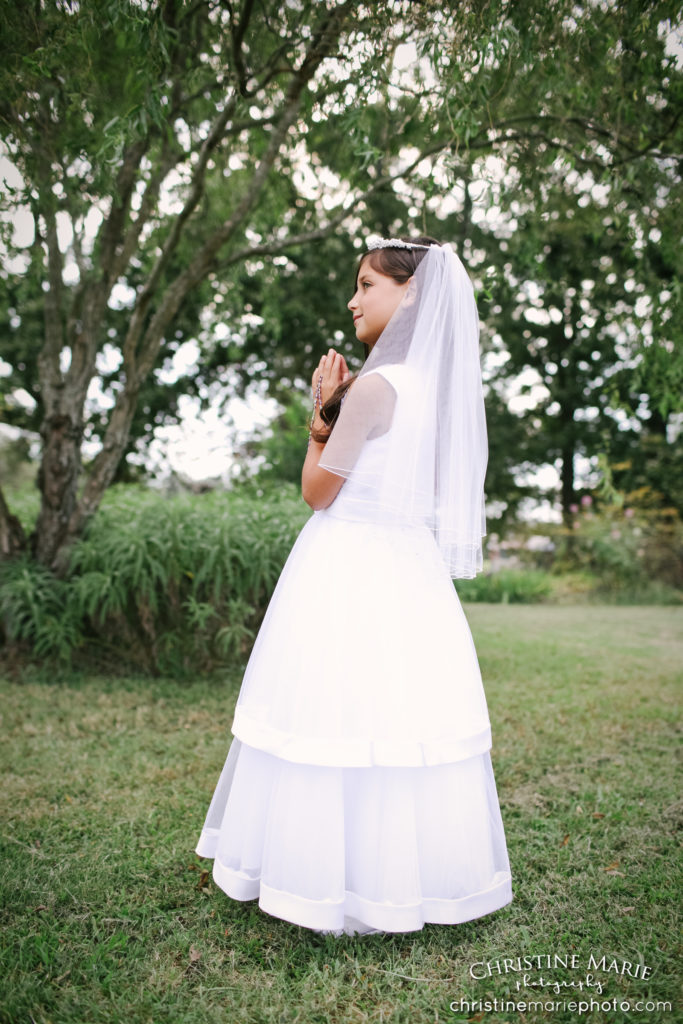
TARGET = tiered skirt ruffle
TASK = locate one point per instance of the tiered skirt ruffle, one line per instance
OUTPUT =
(358, 792)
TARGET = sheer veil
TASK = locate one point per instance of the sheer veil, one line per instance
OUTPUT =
(420, 389)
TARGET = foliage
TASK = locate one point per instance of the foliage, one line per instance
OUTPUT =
(25, 498)
(36, 609)
(178, 584)
(616, 547)
(647, 476)
(624, 548)
(572, 317)
(168, 156)
(279, 450)
(507, 586)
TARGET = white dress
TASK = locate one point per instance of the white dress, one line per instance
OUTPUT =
(358, 792)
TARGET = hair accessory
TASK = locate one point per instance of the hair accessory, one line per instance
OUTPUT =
(393, 243)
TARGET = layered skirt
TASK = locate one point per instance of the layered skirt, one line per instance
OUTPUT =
(358, 793)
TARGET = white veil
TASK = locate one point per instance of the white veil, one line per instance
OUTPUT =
(420, 390)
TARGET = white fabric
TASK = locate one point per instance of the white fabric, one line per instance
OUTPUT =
(350, 849)
(364, 656)
(358, 792)
(431, 408)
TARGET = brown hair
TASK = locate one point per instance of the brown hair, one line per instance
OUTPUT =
(400, 264)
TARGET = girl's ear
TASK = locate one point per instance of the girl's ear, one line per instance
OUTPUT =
(410, 293)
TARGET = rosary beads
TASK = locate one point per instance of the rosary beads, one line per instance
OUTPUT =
(317, 404)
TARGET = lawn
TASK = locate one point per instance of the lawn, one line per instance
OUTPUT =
(107, 914)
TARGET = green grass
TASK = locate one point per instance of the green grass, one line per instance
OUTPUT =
(107, 917)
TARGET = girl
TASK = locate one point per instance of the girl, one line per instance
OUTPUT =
(358, 793)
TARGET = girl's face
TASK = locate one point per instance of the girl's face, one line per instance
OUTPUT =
(377, 297)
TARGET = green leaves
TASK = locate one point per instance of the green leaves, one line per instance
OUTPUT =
(176, 585)
(139, 130)
(38, 610)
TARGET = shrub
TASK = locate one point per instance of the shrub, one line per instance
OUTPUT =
(37, 609)
(626, 550)
(513, 586)
(174, 585)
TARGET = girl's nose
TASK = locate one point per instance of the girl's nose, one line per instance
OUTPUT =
(352, 302)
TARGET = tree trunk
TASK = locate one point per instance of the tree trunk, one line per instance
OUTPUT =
(567, 478)
(567, 492)
(102, 472)
(12, 537)
(58, 482)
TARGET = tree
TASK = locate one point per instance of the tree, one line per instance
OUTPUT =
(575, 289)
(560, 308)
(165, 149)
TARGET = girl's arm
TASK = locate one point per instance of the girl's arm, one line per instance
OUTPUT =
(367, 413)
(319, 487)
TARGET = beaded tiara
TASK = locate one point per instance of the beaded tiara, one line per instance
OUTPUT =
(392, 243)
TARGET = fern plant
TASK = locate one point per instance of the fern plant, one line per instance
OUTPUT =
(178, 585)
(38, 610)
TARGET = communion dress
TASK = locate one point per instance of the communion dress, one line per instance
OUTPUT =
(358, 793)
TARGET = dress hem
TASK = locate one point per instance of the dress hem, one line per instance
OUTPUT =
(331, 915)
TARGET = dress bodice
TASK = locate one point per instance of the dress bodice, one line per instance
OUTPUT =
(362, 496)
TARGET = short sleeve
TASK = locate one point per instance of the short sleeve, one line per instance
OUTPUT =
(366, 413)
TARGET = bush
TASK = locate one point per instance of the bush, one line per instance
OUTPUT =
(180, 585)
(513, 586)
(37, 609)
(627, 551)
(174, 585)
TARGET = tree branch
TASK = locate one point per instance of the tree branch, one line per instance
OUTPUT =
(112, 229)
(140, 358)
(277, 245)
(195, 194)
(147, 205)
(587, 125)
(92, 295)
(48, 360)
(319, 48)
(592, 163)
(238, 32)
